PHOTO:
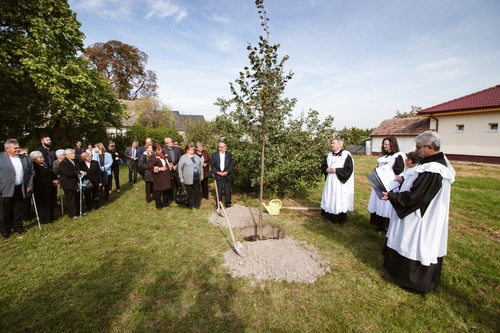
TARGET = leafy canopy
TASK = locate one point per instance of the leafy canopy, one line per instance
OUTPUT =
(44, 84)
(124, 66)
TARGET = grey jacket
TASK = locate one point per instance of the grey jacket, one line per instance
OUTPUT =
(185, 168)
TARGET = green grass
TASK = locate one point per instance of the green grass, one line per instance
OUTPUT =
(129, 268)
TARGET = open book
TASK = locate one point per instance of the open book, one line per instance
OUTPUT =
(382, 180)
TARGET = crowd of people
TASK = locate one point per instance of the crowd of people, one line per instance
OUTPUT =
(84, 177)
(413, 215)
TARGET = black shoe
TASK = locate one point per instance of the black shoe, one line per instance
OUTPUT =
(21, 231)
(228, 205)
(5, 236)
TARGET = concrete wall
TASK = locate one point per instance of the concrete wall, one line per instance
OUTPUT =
(475, 139)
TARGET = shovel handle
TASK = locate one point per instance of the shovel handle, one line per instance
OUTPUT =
(227, 221)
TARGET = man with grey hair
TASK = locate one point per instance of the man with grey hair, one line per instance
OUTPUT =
(173, 155)
(417, 237)
(132, 155)
(16, 183)
(338, 194)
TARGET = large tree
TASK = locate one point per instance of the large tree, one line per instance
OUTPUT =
(44, 83)
(125, 67)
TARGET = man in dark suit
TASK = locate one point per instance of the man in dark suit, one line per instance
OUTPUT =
(222, 168)
(16, 183)
(78, 150)
(173, 154)
(132, 155)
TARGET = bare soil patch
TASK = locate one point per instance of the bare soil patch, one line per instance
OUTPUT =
(282, 259)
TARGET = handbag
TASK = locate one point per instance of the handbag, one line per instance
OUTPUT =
(181, 197)
(87, 185)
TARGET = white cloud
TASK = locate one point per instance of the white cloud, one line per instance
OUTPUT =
(219, 18)
(165, 8)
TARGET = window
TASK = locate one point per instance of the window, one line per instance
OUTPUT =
(460, 128)
(493, 127)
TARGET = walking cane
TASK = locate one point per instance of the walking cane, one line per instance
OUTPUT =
(80, 183)
(36, 211)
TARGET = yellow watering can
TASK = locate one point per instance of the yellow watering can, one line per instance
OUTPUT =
(274, 207)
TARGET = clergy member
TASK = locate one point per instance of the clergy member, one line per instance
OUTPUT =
(338, 193)
(418, 234)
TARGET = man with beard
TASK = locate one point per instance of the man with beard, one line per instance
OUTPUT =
(49, 157)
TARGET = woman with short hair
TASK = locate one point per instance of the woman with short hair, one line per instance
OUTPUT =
(94, 175)
(190, 169)
(44, 182)
(70, 170)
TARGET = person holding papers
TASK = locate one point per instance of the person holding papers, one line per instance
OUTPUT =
(391, 157)
(417, 238)
(338, 194)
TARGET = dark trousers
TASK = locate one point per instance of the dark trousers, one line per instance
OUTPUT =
(44, 206)
(91, 199)
(132, 171)
(149, 191)
(204, 187)
(161, 198)
(11, 212)
(224, 183)
(72, 202)
(194, 195)
(115, 172)
(176, 184)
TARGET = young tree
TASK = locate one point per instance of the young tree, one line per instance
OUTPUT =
(260, 128)
(125, 67)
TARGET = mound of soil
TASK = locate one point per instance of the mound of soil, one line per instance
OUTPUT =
(283, 259)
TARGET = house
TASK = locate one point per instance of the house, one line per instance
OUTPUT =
(468, 126)
(180, 121)
(403, 129)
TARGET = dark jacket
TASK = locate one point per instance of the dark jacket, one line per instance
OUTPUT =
(69, 174)
(228, 165)
(94, 173)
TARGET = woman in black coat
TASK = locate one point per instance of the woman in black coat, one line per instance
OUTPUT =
(160, 168)
(94, 174)
(44, 182)
(70, 170)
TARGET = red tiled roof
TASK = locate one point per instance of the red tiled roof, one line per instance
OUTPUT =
(402, 126)
(486, 98)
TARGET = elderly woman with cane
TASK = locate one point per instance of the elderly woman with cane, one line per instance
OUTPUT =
(44, 182)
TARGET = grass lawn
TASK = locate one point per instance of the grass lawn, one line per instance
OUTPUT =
(130, 268)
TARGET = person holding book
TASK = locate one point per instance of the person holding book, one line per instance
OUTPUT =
(338, 194)
(380, 211)
(417, 238)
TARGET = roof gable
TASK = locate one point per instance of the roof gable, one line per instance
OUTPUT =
(487, 98)
(402, 127)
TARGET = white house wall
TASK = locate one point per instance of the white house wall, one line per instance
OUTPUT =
(476, 139)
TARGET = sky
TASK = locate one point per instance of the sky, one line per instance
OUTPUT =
(359, 61)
